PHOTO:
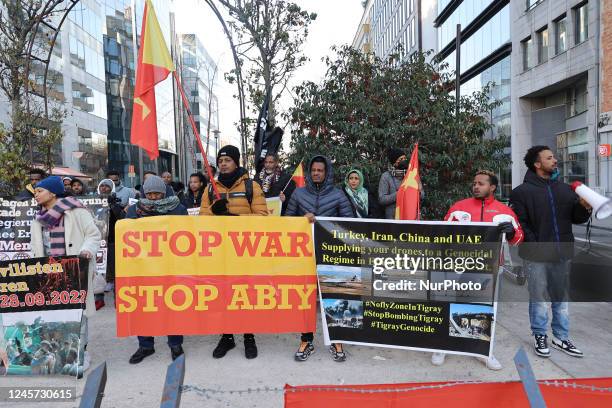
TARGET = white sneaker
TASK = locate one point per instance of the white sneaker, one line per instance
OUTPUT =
(567, 347)
(437, 359)
(492, 363)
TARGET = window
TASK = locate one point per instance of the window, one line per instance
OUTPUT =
(527, 47)
(572, 151)
(577, 98)
(581, 23)
(413, 33)
(561, 35)
(531, 4)
(542, 37)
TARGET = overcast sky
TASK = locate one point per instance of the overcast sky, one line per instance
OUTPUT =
(336, 24)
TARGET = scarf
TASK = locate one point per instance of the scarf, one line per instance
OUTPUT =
(53, 221)
(147, 208)
(229, 179)
(268, 179)
(359, 196)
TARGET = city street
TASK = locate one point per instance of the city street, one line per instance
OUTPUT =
(210, 381)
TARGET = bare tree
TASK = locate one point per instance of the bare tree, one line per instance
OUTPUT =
(24, 37)
(270, 35)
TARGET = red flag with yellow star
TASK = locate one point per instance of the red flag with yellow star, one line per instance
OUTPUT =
(408, 201)
(154, 65)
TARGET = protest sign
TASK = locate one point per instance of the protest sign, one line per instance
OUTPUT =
(41, 305)
(414, 285)
(16, 217)
(207, 275)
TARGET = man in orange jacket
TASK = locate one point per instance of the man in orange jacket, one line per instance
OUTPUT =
(483, 207)
(240, 195)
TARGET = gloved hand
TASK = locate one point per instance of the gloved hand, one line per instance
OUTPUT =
(506, 228)
(219, 207)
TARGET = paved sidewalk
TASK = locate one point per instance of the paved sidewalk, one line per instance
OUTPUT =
(141, 385)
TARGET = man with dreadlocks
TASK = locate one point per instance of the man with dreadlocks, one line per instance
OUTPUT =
(273, 180)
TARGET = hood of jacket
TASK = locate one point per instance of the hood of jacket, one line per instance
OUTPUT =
(106, 182)
(328, 182)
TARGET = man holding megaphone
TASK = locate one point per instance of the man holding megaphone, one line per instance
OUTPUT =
(547, 208)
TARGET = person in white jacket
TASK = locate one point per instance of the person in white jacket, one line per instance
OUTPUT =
(64, 227)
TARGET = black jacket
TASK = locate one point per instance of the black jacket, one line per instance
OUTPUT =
(276, 188)
(191, 200)
(546, 210)
(322, 200)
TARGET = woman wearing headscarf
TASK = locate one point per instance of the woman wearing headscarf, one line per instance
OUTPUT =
(356, 193)
(64, 227)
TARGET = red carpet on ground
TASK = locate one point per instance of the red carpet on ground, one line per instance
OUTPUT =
(586, 392)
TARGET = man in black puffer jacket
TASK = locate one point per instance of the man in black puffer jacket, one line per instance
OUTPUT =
(319, 198)
(546, 209)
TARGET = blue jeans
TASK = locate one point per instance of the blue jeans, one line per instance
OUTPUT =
(149, 342)
(548, 281)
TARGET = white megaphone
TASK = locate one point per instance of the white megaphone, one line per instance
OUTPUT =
(602, 206)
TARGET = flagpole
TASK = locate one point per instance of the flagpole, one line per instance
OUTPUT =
(291, 179)
(197, 135)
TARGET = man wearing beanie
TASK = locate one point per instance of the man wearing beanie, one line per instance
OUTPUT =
(391, 180)
(156, 203)
(239, 196)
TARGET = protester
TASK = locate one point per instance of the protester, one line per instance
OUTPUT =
(363, 203)
(64, 227)
(106, 190)
(167, 177)
(156, 203)
(239, 196)
(179, 189)
(36, 175)
(123, 193)
(197, 185)
(274, 181)
(391, 180)
(483, 207)
(67, 181)
(547, 208)
(169, 189)
(321, 199)
(77, 188)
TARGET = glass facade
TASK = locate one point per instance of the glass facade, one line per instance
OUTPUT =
(119, 66)
(464, 14)
(477, 49)
(85, 140)
(199, 74)
(491, 36)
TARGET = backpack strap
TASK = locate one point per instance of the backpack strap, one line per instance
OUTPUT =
(248, 190)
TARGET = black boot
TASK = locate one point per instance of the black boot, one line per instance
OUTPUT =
(141, 354)
(176, 351)
(225, 344)
(250, 348)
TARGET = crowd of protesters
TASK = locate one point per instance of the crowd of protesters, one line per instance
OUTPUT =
(541, 213)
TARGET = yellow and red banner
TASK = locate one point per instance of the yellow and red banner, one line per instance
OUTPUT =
(210, 275)
(154, 65)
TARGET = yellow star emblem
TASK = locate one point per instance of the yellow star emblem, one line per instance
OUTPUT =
(411, 180)
(145, 108)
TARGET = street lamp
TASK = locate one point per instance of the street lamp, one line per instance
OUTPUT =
(216, 133)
